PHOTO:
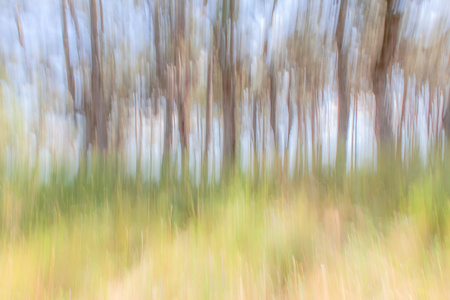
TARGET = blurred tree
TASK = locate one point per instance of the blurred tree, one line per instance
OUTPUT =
(96, 84)
(228, 67)
(183, 76)
(209, 95)
(273, 72)
(69, 69)
(343, 91)
(383, 130)
(446, 118)
(164, 73)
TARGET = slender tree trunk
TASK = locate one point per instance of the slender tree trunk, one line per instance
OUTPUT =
(19, 27)
(160, 62)
(183, 107)
(313, 131)
(88, 110)
(120, 124)
(136, 134)
(383, 129)
(290, 109)
(402, 117)
(96, 83)
(209, 94)
(446, 119)
(183, 78)
(300, 118)
(77, 28)
(355, 134)
(69, 69)
(254, 123)
(229, 92)
(101, 16)
(168, 133)
(343, 91)
(273, 104)
(228, 83)
(74, 17)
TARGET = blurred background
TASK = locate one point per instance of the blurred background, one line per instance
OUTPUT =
(207, 80)
(280, 148)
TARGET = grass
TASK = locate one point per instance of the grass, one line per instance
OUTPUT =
(367, 235)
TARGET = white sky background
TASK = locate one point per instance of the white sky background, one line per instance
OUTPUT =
(41, 22)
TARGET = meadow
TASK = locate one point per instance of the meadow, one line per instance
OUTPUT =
(365, 235)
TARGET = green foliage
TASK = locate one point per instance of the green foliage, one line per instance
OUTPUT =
(105, 231)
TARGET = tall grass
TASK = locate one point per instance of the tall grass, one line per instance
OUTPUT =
(324, 235)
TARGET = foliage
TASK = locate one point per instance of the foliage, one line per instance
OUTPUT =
(104, 234)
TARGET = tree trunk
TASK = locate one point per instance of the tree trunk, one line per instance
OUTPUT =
(312, 116)
(96, 83)
(168, 133)
(383, 129)
(402, 117)
(77, 28)
(182, 81)
(343, 94)
(19, 27)
(160, 62)
(229, 86)
(209, 94)
(300, 117)
(69, 69)
(290, 104)
(101, 15)
(273, 104)
(255, 123)
(183, 107)
(446, 119)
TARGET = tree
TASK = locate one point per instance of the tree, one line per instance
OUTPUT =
(446, 119)
(273, 72)
(273, 102)
(183, 80)
(165, 84)
(344, 95)
(168, 132)
(228, 67)
(209, 95)
(69, 69)
(391, 29)
(96, 83)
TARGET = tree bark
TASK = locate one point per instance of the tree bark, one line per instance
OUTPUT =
(96, 83)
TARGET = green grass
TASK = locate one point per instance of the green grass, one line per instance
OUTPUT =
(366, 235)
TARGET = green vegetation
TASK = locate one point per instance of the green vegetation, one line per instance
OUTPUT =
(367, 235)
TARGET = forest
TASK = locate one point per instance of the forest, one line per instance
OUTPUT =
(230, 149)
